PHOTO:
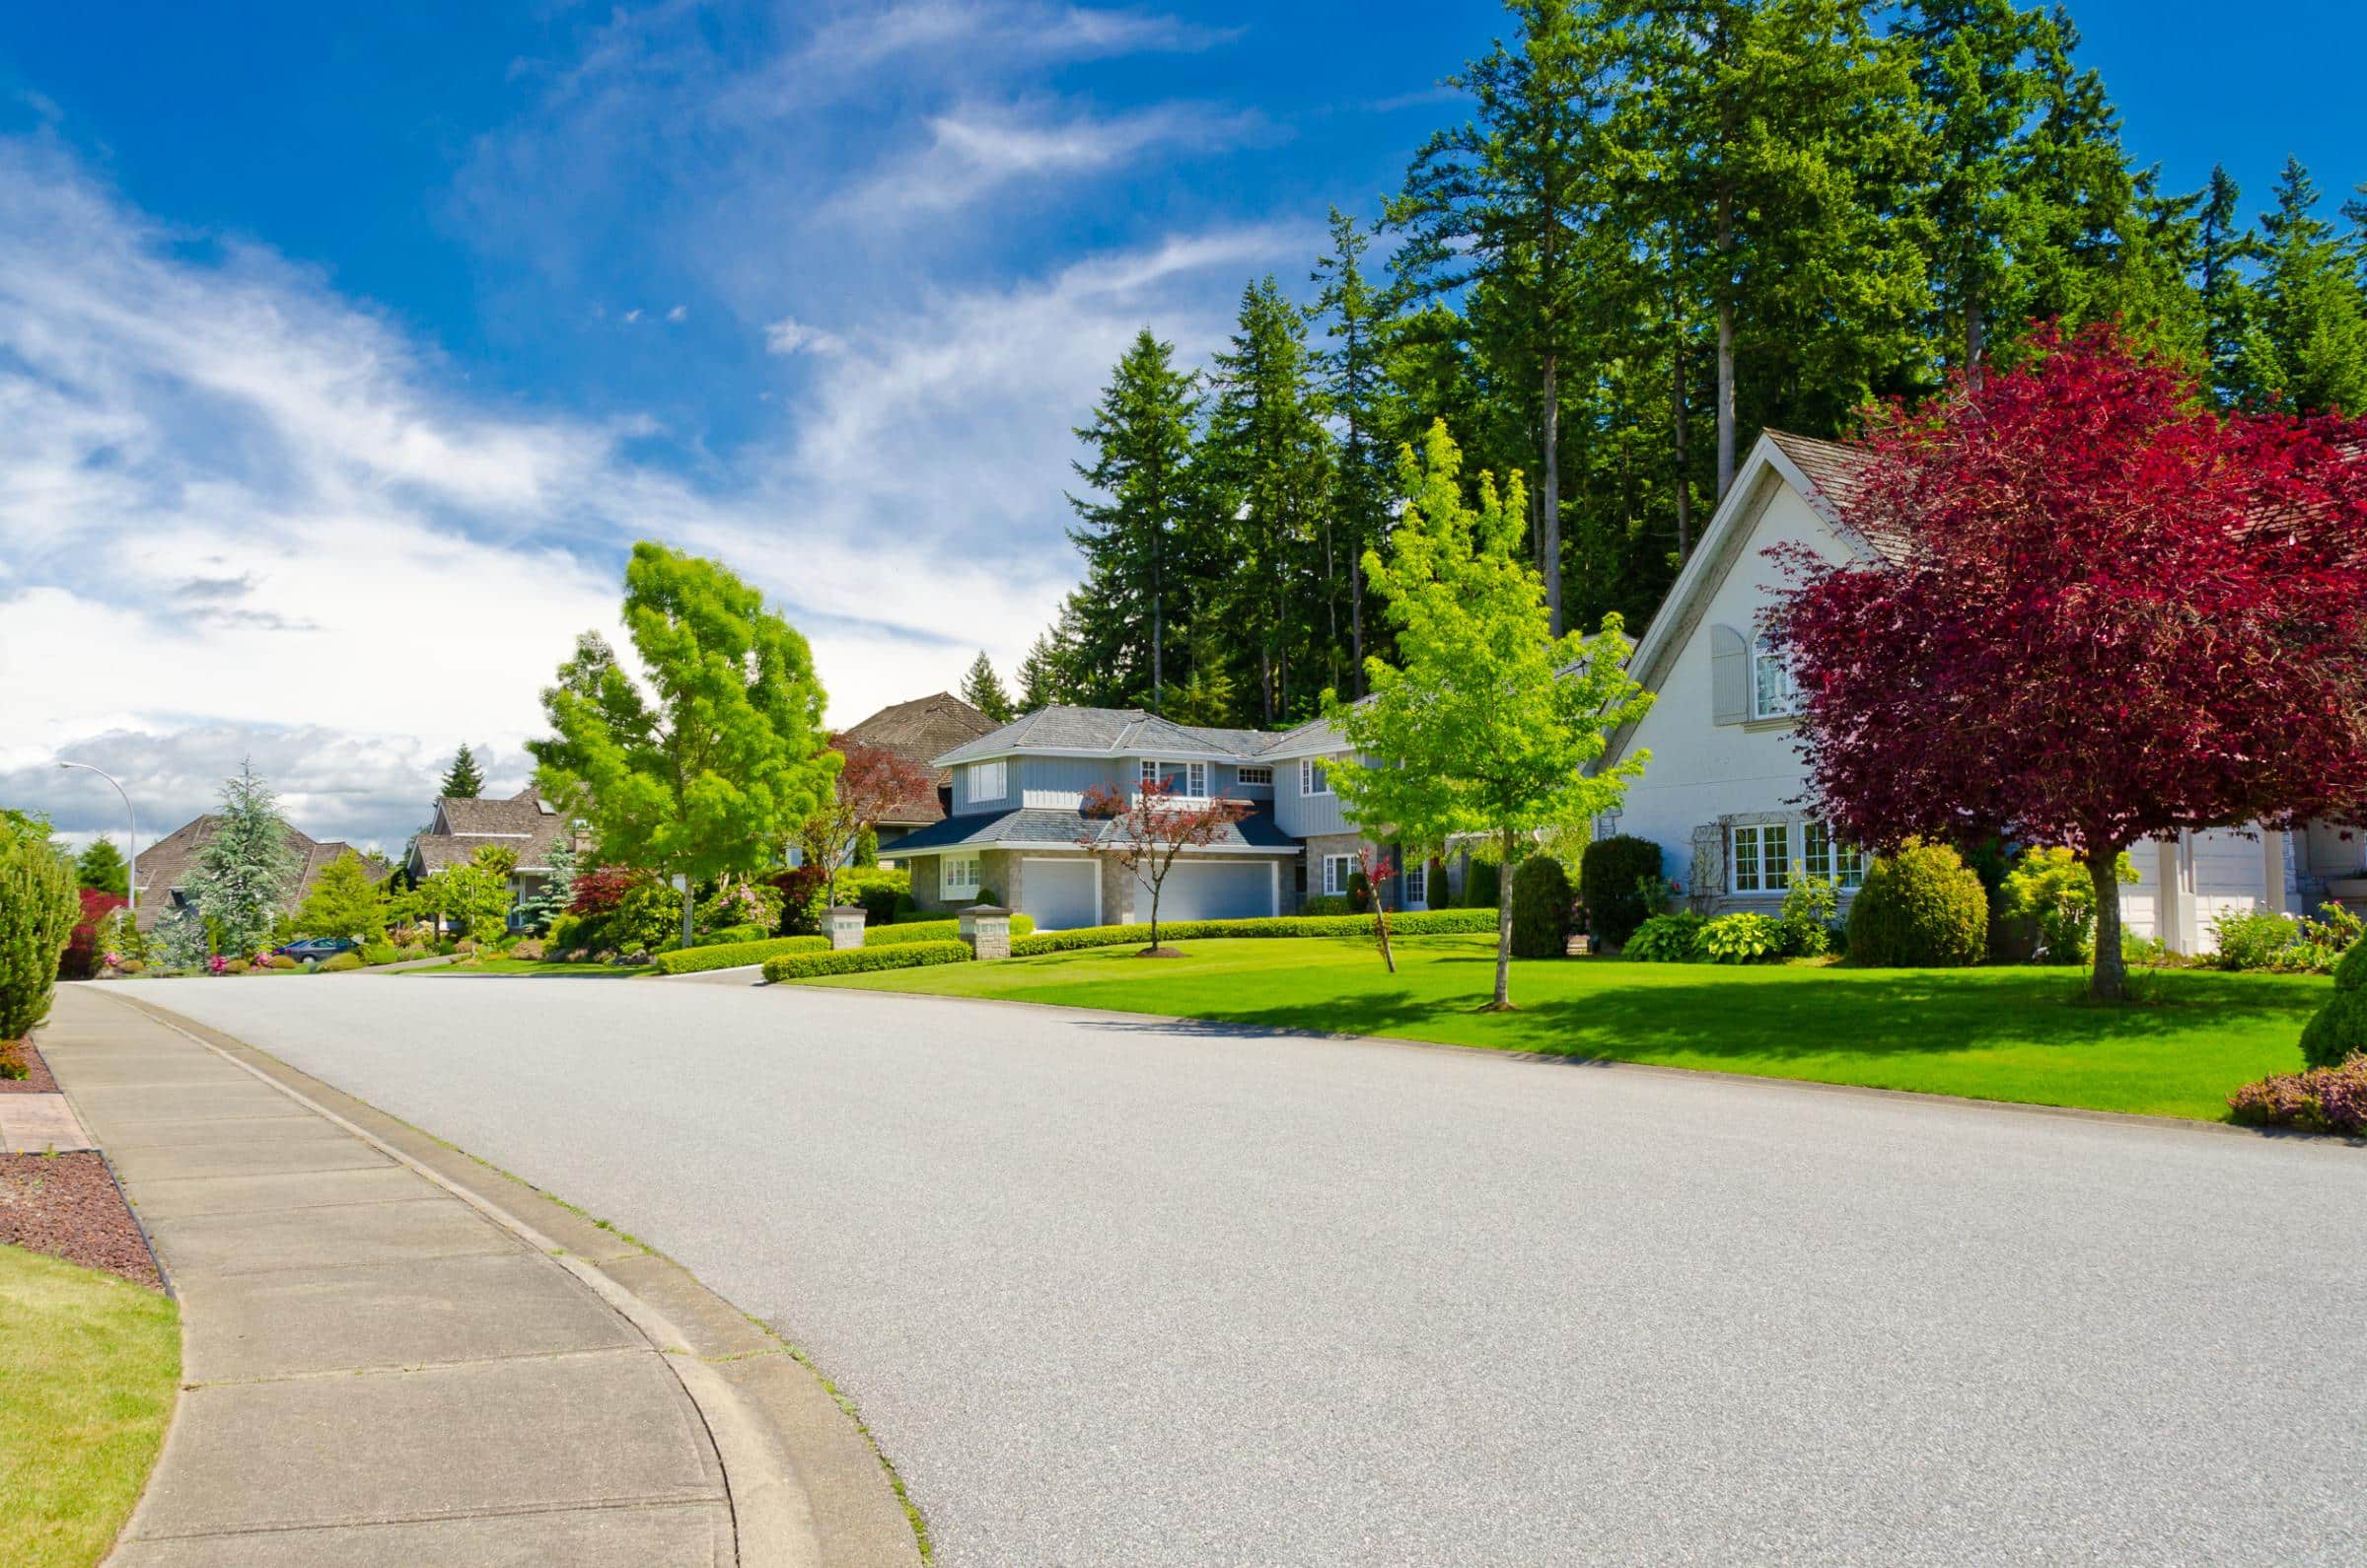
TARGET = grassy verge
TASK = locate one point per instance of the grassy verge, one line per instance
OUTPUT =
(88, 1368)
(2017, 1033)
(526, 966)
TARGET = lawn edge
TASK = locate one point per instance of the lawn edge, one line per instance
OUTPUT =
(2138, 1119)
(751, 1415)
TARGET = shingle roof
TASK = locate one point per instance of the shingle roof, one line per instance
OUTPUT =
(1037, 825)
(524, 823)
(1836, 471)
(166, 862)
(1112, 732)
(920, 730)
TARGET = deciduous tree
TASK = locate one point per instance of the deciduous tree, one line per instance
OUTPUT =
(872, 781)
(349, 899)
(1149, 830)
(2117, 615)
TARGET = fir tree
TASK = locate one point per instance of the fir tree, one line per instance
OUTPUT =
(2307, 346)
(984, 690)
(462, 781)
(2224, 244)
(101, 867)
(1357, 519)
(1048, 676)
(245, 873)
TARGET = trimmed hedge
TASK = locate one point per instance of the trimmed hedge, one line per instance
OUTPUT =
(1540, 910)
(732, 955)
(855, 961)
(1607, 872)
(1482, 885)
(933, 931)
(1418, 923)
(1921, 909)
(339, 964)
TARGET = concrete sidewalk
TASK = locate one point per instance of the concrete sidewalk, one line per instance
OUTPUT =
(394, 1355)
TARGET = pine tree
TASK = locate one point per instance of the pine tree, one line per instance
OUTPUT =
(245, 873)
(101, 867)
(2225, 244)
(2307, 345)
(1351, 369)
(1131, 530)
(1048, 676)
(462, 781)
(1268, 463)
(984, 690)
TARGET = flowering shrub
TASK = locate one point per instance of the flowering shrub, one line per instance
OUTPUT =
(1667, 939)
(805, 895)
(2321, 1100)
(81, 957)
(742, 904)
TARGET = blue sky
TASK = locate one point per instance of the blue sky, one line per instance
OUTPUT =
(343, 350)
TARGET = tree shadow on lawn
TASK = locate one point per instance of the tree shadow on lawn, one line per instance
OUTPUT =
(1884, 1014)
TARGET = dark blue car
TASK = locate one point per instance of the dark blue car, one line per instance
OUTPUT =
(316, 948)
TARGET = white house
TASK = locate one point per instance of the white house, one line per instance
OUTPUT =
(1719, 795)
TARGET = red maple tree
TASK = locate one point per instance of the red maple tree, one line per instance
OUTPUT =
(874, 782)
(1148, 830)
(2109, 612)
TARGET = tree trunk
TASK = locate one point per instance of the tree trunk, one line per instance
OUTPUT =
(1503, 1000)
(1155, 914)
(1725, 345)
(1685, 490)
(1548, 541)
(688, 901)
(1157, 618)
(1356, 625)
(2110, 983)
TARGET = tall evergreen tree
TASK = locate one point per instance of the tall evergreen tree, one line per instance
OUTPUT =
(984, 690)
(1048, 676)
(101, 866)
(2225, 243)
(463, 780)
(1354, 316)
(2307, 346)
(1143, 506)
(245, 872)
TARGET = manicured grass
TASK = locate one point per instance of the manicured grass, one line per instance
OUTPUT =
(514, 967)
(1995, 1033)
(89, 1364)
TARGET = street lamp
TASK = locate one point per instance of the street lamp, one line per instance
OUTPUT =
(131, 872)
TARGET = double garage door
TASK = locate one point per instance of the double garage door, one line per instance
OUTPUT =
(1064, 893)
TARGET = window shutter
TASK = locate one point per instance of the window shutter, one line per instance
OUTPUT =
(1729, 676)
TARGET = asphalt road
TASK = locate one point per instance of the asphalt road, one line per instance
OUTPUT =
(1111, 1291)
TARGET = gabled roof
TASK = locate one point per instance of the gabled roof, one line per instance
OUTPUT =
(465, 824)
(1107, 732)
(164, 863)
(1255, 830)
(920, 730)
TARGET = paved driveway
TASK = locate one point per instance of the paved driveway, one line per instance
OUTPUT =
(1111, 1290)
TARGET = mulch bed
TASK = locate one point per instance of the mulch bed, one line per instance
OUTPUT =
(37, 1080)
(68, 1206)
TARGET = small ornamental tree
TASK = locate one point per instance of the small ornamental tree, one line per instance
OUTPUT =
(1149, 830)
(37, 910)
(102, 868)
(349, 899)
(872, 782)
(2112, 613)
(1375, 867)
(1488, 723)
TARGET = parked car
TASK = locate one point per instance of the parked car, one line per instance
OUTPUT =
(316, 948)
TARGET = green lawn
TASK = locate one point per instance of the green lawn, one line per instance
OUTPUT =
(88, 1368)
(1993, 1033)
(528, 966)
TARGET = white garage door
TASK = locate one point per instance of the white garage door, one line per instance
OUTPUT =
(1212, 890)
(1060, 894)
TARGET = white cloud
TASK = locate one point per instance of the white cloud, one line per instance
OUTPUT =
(996, 34)
(789, 336)
(973, 151)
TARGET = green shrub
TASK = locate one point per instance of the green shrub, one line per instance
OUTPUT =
(733, 954)
(1742, 938)
(1418, 923)
(1360, 894)
(1607, 874)
(281, 960)
(2049, 888)
(939, 931)
(649, 916)
(1541, 908)
(1809, 906)
(2258, 940)
(445, 947)
(40, 906)
(2350, 973)
(880, 890)
(1667, 939)
(854, 960)
(532, 948)
(340, 963)
(2339, 1030)
(1921, 909)
(1484, 885)
(566, 931)
(1328, 904)
(376, 953)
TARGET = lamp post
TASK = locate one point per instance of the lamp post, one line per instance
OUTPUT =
(131, 872)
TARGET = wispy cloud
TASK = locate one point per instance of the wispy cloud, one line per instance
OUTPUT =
(973, 151)
(988, 33)
(789, 336)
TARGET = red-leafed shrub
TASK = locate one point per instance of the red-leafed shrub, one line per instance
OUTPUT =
(2322, 1099)
(80, 960)
(602, 888)
(803, 890)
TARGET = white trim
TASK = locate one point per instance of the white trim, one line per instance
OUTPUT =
(1307, 770)
(971, 791)
(1243, 771)
(1052, 800)
(1347, 864)
(947, 888)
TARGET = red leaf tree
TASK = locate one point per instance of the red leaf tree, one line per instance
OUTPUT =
(2112, 613)
(874, 782)
(1149, 830)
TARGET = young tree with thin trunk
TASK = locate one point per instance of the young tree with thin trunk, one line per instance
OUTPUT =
(872, 782)
(1149, 830)
(349, 899)
(2117, 615)
(1487, 723)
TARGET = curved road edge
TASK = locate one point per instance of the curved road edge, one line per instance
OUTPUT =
(806, 1482)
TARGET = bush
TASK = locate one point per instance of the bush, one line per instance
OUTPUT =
(2255, 940)
(241, 966)
(742, 904)
(1667, 939)
(1921, 908)
(341, 962)
(1608, 872)
(1809, 906)
(281, 960)
(377, 953)
(1540, 910)
(2050, 889)
(732, 955)
(882, 891)
(2325, 1099)
(1483, 887)
(1328, 903)
(1742, 938)
(84, 944)
(854, 960)
(39, 906)
(566, 931)
(805, 895)
(529, 948)
(941, 931)
(2339, 1030)
(1418, 923)
(602, 888)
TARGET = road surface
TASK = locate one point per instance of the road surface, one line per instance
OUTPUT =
(1112, 1290)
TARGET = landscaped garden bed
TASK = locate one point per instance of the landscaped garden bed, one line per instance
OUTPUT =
(21, 1070)
(2001, 1032)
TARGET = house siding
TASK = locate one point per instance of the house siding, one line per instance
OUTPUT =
(1305, 816)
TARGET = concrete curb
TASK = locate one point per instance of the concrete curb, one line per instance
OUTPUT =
(805, 1482)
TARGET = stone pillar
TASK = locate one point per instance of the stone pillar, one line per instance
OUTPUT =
(844, 923)
(988, 930)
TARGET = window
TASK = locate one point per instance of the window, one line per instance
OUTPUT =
(1336, 869)
(986, 780)
(1256, 775)
(1773, 695)
(1762, 858)
(959, 878)
(1839, 864)
(1313, 778)
(1188, 779)
(1418, 885)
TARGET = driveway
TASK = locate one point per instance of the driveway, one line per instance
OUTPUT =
(1109, 1290)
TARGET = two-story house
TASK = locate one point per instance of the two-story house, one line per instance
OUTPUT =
(1016, 828)
(1722, 794)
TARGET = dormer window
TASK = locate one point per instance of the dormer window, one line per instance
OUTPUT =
(986, 780)
(1188, 779)
(1773, 695)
